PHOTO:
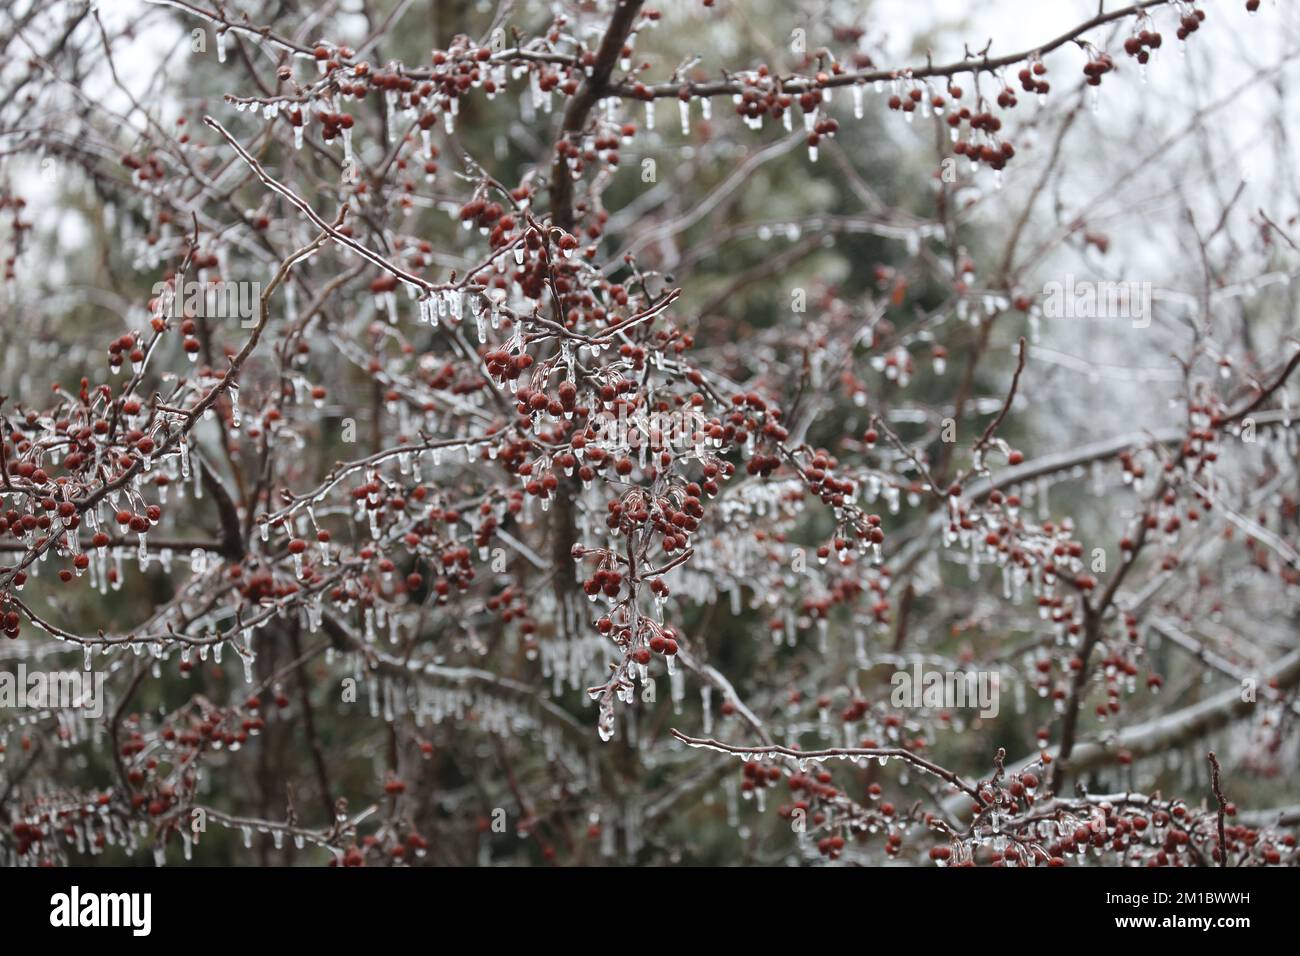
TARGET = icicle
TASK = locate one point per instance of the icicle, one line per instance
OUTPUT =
(349, 161)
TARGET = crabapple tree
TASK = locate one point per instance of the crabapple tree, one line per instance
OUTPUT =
(593, 432)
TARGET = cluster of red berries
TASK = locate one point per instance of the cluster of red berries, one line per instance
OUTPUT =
(1029, 79)
(1134, 470)
(139, 523)
(216, 728)
(754, 776)
(665, 642)
(1141, 45)
(126, 345)
(817, 786)
(531, 401)
(995, 157)
(483, 214)
(1098, 67)
(260, 585)
(909, 103)
(823, 128)
(503, 366)
(333, 124)
(463, 74)
(146, 169)
(414, 843)
(1191, 22)
(994, 154)
(190, 343)
(1115, 666)
(822, 482)
(512, 605)
(842, 593)
(608, 581)
(576, 158)
(19, 227)
(677, 524)
(459, 68)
